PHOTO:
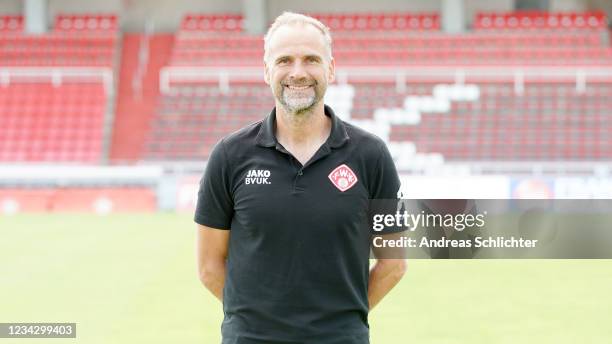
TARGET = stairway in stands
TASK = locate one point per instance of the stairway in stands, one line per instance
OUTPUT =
(135, 108)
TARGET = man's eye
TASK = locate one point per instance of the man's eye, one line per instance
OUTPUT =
(312, 60)
(282, 61)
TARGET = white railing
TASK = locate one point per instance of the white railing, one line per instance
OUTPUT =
(581, 76)
(58, 75)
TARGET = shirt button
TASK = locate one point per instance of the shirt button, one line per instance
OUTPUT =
(300, 173)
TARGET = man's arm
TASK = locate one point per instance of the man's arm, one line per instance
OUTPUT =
(212, 246)
(384, 275)
(386, 272)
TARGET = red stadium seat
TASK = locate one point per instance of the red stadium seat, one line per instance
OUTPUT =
(371, 41)
(212, 22)
(10, 23)
(530, 20)
(52, 123)
(551, 121)
(573, 129)
(380, 21)
(70, 23)
(84, 40)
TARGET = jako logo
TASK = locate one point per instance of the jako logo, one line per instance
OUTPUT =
(257, 177)
(343, 177)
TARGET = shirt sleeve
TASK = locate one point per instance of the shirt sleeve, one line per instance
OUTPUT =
(384, 191)
(386, 182)
(215, 206)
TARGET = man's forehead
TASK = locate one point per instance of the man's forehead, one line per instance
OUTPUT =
(295, 35)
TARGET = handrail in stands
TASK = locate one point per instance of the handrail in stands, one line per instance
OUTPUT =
(58, 75)
(580, 75)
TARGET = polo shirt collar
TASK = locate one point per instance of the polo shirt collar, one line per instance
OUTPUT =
(337, 137)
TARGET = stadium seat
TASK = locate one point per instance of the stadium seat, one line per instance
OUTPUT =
(70, 23)
(369, 39)
(537, 20)
(42, 122)
(189, 122)
(548, 122)
(76, 40)
(10, 23)
(212, 22)
(386, 22)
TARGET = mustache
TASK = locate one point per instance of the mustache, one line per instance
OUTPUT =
(298, 84)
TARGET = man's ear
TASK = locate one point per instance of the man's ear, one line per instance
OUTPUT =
(331, 71)
(266, 73)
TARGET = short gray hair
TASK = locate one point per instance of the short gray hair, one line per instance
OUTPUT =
(291, 18)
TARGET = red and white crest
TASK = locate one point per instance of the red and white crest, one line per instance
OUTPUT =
(343, 177)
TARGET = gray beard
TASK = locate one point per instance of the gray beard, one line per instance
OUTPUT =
(297, 105)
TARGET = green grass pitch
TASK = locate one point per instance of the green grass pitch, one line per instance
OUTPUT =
(132, 279)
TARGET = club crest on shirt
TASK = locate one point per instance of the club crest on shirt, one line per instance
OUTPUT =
(343, 177)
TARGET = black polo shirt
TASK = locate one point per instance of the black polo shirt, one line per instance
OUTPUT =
(298, 262)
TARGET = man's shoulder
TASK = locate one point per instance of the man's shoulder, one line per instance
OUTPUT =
(363, 138)
(243, 137)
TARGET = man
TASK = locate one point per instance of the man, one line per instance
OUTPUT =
(284, 235)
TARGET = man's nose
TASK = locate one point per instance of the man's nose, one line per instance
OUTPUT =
(298, 71)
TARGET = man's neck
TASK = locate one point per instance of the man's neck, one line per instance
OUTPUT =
(305, 128)
(303, 133)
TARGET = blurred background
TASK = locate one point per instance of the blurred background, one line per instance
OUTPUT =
(111, 107)
(114, 105)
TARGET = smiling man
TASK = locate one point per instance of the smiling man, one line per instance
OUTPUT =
(284, 232)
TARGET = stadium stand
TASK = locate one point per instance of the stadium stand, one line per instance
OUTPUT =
(43, 122)
(191, 118)
(189, 123)
(212, 22)
(388, 23)
(538, 100)
(382, 22)
(138, 93)
(550, 121)
(539, 20)
(411, 39)
(45, 115)
(11, 23)
(87, 23)
(74, 41)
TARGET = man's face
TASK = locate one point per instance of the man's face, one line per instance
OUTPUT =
(298, 68)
